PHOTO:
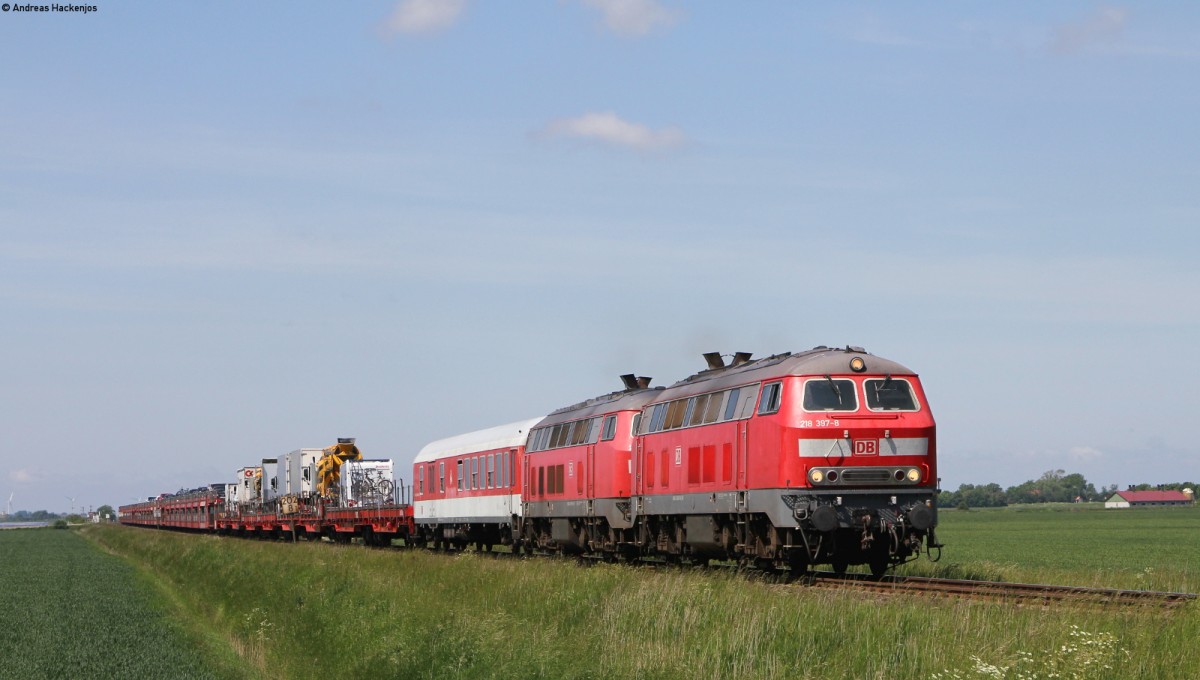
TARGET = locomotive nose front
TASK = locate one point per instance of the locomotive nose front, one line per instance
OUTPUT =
(866, 445)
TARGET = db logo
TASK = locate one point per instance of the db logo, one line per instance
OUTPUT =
(866, 447)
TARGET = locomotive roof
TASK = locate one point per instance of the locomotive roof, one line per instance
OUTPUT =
(499, 437)
(817, 361)
(628, 400)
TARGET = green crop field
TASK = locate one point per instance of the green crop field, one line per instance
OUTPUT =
(67, 610)
(1086, 545)
(319, 610)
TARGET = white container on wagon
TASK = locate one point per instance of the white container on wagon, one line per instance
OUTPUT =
(367, 482)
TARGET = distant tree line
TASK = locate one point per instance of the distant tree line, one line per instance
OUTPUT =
(1055, 486)
(46, 516)
(35, 516)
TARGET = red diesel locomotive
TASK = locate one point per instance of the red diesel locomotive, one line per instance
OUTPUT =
(819, 457)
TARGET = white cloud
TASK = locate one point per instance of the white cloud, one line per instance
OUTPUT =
(1084, 453)
(22, 476)
(423, 16)
(872, 31)
(1103, 26)
(609, 128)
(633, 17)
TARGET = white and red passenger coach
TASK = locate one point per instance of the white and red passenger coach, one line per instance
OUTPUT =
(819, 457)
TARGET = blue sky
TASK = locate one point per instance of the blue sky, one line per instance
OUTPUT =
(229, 230)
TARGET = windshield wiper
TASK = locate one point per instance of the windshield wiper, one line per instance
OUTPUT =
(837, 392)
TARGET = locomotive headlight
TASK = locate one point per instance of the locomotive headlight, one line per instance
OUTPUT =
(914, 475)
(816, 476)
(858, 365)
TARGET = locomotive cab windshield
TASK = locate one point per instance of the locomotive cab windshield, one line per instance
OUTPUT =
(890, 394)
(828, 394)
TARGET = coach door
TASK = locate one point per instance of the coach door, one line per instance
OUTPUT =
(526, 484)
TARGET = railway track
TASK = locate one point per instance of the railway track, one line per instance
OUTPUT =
(1026, 593)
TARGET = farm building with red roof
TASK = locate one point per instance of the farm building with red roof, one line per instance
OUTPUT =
(1138, 499)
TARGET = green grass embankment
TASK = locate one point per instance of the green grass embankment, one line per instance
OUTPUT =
(67, 610)
(318, 610)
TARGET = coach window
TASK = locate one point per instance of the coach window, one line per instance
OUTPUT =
(460, 475)
(828, 394)
(442, 477)
(769, 401)
(889, 394)
(610, 428)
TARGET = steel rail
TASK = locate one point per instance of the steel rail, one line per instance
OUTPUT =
(1000, 590)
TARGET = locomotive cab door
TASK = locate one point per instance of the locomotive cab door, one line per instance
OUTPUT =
(589, 472)
(743, 452)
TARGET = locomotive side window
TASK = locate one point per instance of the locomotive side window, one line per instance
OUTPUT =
(769, 402)
(657, 417)
(442, 477)
(579, 434)
(610, 428)
(731, 404)
(828, 394)
(713, 409)
(696, 408)
(675, 412)
(889, 394)
(460, 475)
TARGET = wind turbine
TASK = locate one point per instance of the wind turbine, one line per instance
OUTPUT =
(10, 497)
(72, 503)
